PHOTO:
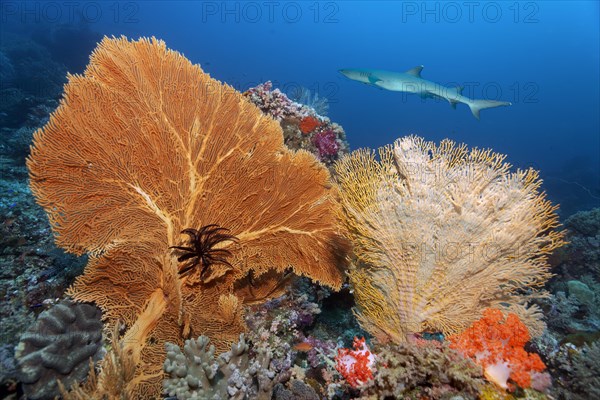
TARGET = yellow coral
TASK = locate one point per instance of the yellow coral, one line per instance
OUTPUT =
(441, 233)
(144, 145)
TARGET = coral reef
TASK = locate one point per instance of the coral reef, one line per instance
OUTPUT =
(7, 71)
(196, 374)
(574, 308)
(125, 164)
(33, 272)
(59, 346)
(303, 127)
(582, 254)
(298, 390)
(441, 233)
(422, 370)
(278, 326)
(302, 331)
(586, 371)
(275, 103)
(497, 344)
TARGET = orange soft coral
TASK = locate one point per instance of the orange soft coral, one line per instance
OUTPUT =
(356, 366)
(309, 124)
(497, 344)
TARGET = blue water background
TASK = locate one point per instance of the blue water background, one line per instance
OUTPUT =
(542, 56)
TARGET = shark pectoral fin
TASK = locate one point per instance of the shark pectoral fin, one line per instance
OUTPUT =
(373, 80)
(454, 99)
(431, 94)
(416, 71)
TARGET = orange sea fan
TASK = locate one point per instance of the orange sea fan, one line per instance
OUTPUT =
(144, 145)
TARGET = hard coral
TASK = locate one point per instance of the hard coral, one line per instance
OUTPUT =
(497, 344)
(145, 145)
(356, 366)
(274, 102)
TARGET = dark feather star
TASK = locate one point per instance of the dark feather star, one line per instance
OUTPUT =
(200, 251)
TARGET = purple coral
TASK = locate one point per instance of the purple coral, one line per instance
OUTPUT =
(326, 143)
(320, 349)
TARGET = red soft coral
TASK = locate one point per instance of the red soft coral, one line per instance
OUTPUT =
(309, 124)
(356, 366)
(497, 344)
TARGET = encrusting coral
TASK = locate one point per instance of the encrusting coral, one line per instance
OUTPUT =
(440, 233)
(145, 145)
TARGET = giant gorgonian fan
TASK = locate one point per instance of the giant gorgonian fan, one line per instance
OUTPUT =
(145, 146)
(441, 233)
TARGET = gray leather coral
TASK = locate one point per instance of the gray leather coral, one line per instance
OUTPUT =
(58, 347)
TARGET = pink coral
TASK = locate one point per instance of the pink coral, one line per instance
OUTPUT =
(273, 102)
(356, 366)
(326, 143)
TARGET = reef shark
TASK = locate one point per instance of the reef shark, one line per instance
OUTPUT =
(412, 82)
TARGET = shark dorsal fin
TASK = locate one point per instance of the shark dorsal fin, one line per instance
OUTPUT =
(416, 71)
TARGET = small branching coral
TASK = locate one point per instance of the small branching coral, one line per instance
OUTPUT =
(145, 145)
(440, 233)
(196, 374)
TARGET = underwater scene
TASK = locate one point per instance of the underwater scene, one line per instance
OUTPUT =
(309, 200)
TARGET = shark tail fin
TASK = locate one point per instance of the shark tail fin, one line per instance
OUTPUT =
(478, 105)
